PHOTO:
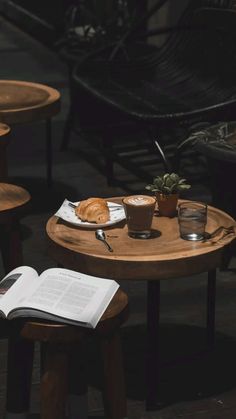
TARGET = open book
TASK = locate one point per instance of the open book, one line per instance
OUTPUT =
(57, 294)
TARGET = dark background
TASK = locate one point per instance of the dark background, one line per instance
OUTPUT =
(45, 19)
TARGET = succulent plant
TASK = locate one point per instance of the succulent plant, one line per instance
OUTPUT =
(169, 183)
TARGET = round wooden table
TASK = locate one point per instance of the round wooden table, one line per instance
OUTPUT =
(165, 255)
(24, 102)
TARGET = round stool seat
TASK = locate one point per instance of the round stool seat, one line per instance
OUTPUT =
(115, 314)
(22, 101)
(12, 200)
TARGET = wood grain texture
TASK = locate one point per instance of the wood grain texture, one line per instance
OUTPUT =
(22, 101)
(12, 200)
(165, 255)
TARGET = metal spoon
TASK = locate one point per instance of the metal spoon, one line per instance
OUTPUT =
(100, 235)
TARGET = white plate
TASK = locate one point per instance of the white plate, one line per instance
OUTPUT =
(67, 213)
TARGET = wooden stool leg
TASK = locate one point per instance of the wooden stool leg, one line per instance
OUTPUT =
(19, 373)
(11, 246)
(54, 382)
(78, 387)
(114, 383)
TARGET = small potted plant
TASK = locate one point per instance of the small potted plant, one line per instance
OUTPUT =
(167, 188)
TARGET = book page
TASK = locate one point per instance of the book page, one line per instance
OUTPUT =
(70, 295)
(15, 284)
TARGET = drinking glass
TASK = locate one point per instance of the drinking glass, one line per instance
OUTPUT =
(192, 218)
(139, 210)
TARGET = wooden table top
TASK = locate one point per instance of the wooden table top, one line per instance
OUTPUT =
(165, 255)
(22, 101)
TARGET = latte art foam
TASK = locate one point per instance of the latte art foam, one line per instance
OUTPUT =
(139, 200)
(139, 210)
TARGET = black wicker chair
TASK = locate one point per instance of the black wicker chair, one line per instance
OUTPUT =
(191, 79)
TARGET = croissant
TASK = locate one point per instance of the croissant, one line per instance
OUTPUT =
(93, 210)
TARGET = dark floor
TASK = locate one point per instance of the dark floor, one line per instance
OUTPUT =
(195, 384)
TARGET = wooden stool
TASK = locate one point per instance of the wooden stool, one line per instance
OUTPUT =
(4, 136)
(58, 342)
(13, 204)
(24, 102)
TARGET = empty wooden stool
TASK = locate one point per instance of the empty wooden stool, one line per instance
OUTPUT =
(24, 102)
(13, 205)
(58, 342)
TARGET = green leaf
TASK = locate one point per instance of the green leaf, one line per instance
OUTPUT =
(182, 187)
(169, 181)
(181, 181)
(174, 177)
(166, 190)
(165, 177)
(158, 182)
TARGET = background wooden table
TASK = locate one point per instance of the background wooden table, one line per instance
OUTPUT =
(26, 102)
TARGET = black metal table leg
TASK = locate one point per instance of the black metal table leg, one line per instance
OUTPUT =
(152, 365)
(211, 296)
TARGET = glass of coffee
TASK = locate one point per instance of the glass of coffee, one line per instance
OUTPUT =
(139, 210)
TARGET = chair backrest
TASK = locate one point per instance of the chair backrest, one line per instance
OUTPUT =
(202, 43)
(204, 40)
